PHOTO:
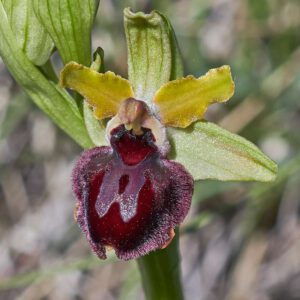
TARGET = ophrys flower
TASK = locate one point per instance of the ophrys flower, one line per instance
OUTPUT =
(130, 196)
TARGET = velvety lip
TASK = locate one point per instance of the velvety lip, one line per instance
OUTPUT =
(129, 197)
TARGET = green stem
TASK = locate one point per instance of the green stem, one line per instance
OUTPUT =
(161, 274)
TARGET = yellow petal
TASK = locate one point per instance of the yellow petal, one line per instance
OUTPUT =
(103, 91)
(185, 100)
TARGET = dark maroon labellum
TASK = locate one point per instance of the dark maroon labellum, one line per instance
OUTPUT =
(129, 197)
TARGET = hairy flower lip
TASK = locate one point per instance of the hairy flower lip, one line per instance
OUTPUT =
(167, 183)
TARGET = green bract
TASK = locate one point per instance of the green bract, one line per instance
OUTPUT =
(69, 23)
(30, 35)
(53, 100)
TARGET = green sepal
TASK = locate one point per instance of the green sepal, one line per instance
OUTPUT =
(153, 58)
(69, 23)
(210, 152)
(30, 35)
(53, 100)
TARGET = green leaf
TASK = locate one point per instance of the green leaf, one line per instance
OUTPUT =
(210, 152)
(153, 57)
(69, 23)
(31, 36)
(53, 100)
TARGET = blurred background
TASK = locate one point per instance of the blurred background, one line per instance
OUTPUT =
(241, 241)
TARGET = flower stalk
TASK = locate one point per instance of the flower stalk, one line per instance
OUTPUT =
(161, 273)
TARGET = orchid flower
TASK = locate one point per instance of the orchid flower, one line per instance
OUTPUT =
(130, 196)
